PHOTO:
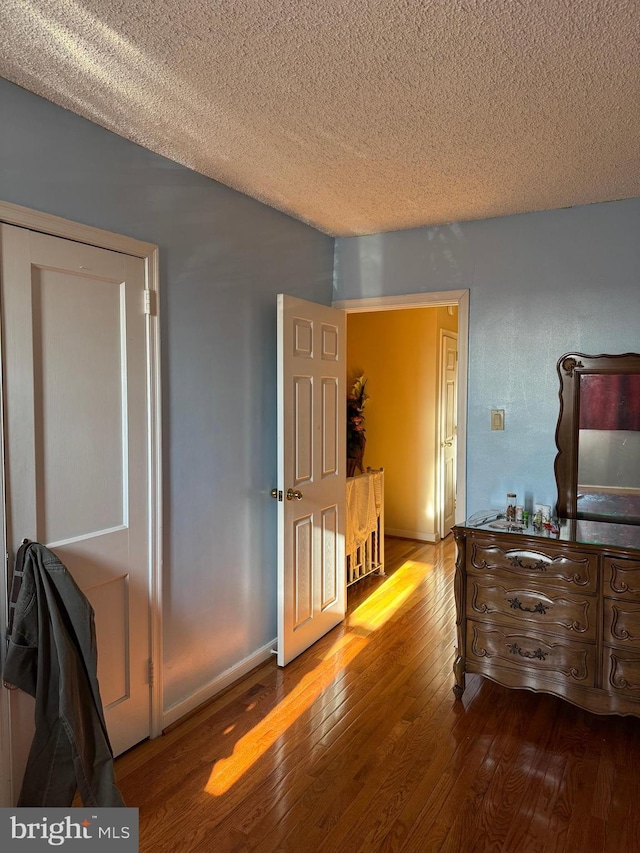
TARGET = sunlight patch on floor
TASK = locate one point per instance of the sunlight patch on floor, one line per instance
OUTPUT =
(371, 615)
(388, 598)
(262, 736)
(339, 646)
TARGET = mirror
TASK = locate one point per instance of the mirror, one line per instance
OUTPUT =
(598, 437)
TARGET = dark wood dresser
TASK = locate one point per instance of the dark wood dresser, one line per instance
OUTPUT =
(552, 612)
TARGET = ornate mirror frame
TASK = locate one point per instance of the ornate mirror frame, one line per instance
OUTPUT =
(571, 367)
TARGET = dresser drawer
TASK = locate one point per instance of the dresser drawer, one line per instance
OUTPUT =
(531, 651)
(621, 672)
(549, 563)
(622, 623)
(622, 577)
(499, 598)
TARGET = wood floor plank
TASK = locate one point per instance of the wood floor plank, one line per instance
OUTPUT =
(427, 787)
(382, 777)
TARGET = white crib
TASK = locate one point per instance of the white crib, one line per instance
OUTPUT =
(364, 547)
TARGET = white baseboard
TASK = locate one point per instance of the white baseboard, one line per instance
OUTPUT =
(412, 534)
(209, 691)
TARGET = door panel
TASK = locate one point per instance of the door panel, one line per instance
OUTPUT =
(330, 410)
(77, 382)
(311, 461)
(330, 572)
(303, 576)
(303, 432)
(76, 449)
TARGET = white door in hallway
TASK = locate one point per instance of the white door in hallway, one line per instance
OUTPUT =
(76, 447)
(311, 473)
(448, 430)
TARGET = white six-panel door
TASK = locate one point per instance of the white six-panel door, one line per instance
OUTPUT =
(74, 376)
(311, 473)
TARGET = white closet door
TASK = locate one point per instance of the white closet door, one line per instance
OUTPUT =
(74, 370)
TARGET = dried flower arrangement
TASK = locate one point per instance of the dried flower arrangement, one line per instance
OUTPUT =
(356, 437)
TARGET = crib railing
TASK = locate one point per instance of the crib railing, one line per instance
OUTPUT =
(365, 525)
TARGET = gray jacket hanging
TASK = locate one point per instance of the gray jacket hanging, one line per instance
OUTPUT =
(52, 656)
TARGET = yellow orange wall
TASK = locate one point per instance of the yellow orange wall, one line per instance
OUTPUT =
(398, 351)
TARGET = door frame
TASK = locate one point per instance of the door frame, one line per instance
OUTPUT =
(13, 214)
(436, 299)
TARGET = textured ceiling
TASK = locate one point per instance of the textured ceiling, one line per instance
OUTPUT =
(356, 116)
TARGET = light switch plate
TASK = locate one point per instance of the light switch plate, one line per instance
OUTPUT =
(497, 418)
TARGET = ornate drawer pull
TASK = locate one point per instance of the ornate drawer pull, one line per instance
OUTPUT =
(538, 654)
(538, 566)
(516, 604)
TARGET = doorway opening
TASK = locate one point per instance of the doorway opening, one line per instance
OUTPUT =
(413, 351)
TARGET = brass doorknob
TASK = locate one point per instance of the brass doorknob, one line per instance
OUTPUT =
(447, 443)
(291, 494)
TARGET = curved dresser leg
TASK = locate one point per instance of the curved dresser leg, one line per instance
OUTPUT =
(458, 671)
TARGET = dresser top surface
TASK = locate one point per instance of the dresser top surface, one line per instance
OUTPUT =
(578, 531)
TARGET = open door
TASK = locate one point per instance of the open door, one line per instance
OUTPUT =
(311, 473)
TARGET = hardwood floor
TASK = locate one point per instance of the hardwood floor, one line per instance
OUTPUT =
(360, 745)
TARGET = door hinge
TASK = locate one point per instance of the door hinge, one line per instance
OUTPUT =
(151, 673)
(150, 302)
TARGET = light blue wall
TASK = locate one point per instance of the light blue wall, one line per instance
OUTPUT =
(540, 284)
(223, 259)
